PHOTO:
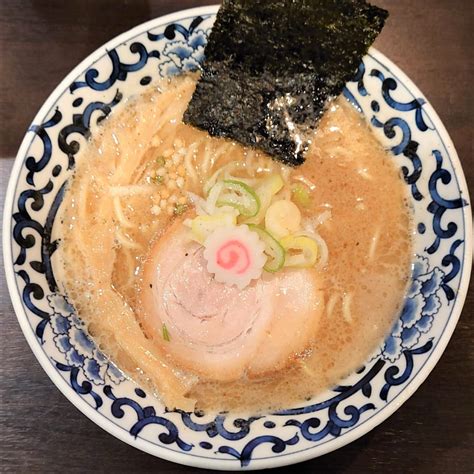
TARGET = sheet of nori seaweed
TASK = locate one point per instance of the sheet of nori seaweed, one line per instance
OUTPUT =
(271, 66)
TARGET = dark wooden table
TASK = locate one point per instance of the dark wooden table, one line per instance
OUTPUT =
(40, 42)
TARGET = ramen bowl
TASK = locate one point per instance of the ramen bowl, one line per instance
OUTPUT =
(403, 121)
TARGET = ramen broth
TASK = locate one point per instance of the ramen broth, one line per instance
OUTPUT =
(132, 182)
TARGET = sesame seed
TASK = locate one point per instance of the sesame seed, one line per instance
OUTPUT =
(160, 161)
(180, 182)
(156, 210)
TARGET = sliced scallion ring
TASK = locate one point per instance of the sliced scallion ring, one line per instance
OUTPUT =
(273, 250)
(301, 251)
(239, 196)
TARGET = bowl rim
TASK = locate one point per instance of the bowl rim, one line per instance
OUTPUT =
(220, 463)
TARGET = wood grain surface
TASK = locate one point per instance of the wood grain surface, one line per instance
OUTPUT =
(41, 41)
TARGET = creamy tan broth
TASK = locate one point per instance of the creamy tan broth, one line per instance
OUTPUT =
(116, 208)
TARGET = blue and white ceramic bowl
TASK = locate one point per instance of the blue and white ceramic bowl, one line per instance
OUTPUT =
(404, 122)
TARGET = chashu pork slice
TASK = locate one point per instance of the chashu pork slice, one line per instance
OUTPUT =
(219, 331)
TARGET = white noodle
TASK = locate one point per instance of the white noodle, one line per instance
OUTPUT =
(248, 162)
(346, 307)
(166, 118)
(365, 174)
(129, 258)
(331, 304)
(305, 181)
(210, 159)
(324, 252)
(172, 106)
(323, 217)
(139, 172)
(223, 150)
(341, 153)
(126, 241)
(124, 222)
(190, 170)
(305, 367)
(373, 244)
(226, 170)
(212, 180)
(198, 202)
(195, 199)
(210, 206)
(285, 172)
(207, 160)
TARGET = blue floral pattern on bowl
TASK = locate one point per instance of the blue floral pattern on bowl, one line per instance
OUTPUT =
(421, 305)
(72, 340)
(184, 55)
(404, 123)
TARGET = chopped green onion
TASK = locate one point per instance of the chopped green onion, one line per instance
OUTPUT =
(301, 251)
(273, 250)
(301, 195)
(166, 334)
(180, 209)
(158, 179)
(160, 161)
(240, 196)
